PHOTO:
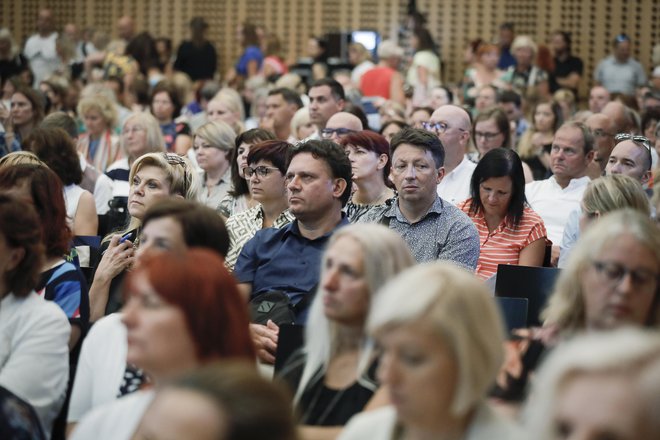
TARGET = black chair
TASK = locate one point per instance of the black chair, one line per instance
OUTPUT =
(514, 312)
(290, 339)
(533, 283)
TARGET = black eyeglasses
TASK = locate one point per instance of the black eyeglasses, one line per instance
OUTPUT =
(327, 133)
(438, 127)
(614, 273)
(487, 136)
(175, 159)
(261, 171)
(637, 139)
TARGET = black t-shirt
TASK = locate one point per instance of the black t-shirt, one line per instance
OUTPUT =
(563, 69)
(323, 406)
(199, 62)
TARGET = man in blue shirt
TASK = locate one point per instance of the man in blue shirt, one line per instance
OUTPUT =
(318, 180)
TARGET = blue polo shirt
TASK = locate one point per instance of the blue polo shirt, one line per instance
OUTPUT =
(282, 259)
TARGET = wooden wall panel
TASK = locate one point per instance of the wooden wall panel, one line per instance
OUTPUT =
(593, 23)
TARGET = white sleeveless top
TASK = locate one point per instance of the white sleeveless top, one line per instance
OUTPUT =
(72, 195)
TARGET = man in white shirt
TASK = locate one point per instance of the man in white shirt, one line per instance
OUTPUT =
(452, 126)
(631, 157)
(40, 48)
(554, 198)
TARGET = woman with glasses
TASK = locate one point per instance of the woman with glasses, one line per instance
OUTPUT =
(491, 129)
(153, 177)
(510, 232)
(369, 155)
(265, 170)
(213, 144)
(238, 198)
(611, 281)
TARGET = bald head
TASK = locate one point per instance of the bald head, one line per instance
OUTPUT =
(126, 28)
(617, 113)
(452, 126)
(343, 121)
(603, 129)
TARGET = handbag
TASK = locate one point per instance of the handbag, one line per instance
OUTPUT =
(277, 307)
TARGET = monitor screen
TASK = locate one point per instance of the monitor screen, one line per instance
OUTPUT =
(369, 39)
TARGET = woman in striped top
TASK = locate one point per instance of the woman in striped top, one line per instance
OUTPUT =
(509, 231)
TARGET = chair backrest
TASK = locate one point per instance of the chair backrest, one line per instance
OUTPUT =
(289, 339)
(534, 283)
(514, 312)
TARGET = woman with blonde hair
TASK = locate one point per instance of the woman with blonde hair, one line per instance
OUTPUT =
(301, 125)
(611, 278)
(99, 146)
(441, 348)
(525, 77)
(602, 385)
(140, 135)
(213, 144)
(334, 373)
(603, 195)
(153, 176)
(227, 106)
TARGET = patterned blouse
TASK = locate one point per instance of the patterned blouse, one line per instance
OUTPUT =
(244, 225)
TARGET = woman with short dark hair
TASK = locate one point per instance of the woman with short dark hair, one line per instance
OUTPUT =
(509, 231)
(369, 154)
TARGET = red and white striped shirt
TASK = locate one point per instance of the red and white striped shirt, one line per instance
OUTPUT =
(503, 245)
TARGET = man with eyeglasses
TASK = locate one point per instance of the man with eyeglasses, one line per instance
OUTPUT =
(619, 72)
(451, 124)
(326, 97)
(603, 130)
(631, 157)
(433, 228)
(339, 125)
(288, 260)
(554, 198)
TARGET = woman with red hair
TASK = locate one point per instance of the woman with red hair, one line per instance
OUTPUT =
(183, 310)
(60, 281)
(369, 154)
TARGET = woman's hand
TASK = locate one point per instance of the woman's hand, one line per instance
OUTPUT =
(118, 257)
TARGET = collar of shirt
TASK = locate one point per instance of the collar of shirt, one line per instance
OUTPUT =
(293, 229)
(395, 212)
(579, 182)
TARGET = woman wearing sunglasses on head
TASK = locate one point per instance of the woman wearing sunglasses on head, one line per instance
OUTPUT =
(265, 170)
(152, 177)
